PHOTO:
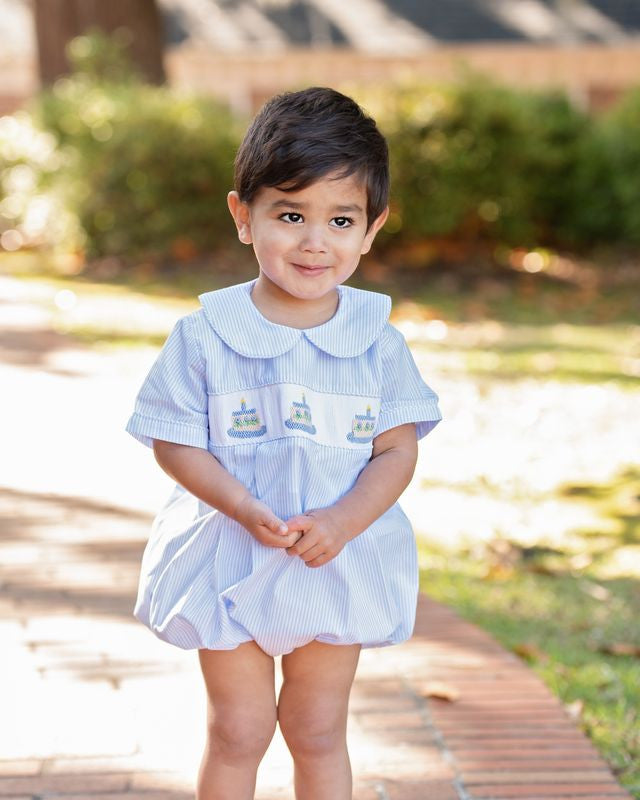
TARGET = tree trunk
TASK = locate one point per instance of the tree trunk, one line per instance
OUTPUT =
(58, 21)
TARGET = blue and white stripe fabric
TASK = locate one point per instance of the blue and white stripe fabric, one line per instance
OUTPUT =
(292, 414)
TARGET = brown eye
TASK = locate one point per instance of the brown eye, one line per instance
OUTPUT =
(342, 222)
(291, 217)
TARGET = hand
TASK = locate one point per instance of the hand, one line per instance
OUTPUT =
(322, 537)
(263, 524)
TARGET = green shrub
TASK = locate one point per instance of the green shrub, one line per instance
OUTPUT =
(480, 161)
(146, 170)
(32, 212)
(619, 129)
(107, 165)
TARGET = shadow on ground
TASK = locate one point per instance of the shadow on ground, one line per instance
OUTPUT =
(69, 554)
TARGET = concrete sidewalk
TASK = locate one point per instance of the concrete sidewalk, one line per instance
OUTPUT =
(94, 706)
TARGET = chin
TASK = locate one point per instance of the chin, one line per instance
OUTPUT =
(316, 294)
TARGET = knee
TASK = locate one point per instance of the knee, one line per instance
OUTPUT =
(313, 738)
(237, 737)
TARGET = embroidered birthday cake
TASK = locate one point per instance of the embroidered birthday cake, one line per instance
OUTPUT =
(300, 417)
(246, 422)
(362, 427)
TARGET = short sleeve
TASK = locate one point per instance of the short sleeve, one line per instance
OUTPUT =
(405, 396)
(172, 402)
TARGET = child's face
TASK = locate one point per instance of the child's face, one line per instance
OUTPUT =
(308, 241)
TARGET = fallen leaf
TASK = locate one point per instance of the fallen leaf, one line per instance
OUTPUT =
(575, 709)
(620, 649)
(595, 590)
(439, 689)
(541, 569)
(529, 651)
(580, 561)
(498, 572)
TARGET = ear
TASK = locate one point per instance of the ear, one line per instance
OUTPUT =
(240, 213)
(375, 226)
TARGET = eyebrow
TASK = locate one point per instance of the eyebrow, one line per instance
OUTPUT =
(289, 204)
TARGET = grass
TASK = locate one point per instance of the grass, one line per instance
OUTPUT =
(177, 282)
(566, 352)
(574, 615)
(563, 623)
(618, 505)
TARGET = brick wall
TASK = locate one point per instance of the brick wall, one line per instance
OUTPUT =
(594, 75)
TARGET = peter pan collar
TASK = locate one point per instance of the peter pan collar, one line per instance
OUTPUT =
(354, 327)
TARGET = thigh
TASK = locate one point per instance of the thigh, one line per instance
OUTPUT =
(239, 682)
(317, 682)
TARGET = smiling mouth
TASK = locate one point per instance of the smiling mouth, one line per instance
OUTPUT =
(311, 268)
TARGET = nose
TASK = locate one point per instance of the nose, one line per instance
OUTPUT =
(314, 239)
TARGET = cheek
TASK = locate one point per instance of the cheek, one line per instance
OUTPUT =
(277, 241)
(352, 248)
(267, 248)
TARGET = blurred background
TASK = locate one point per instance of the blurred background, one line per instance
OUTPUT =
(512, 253)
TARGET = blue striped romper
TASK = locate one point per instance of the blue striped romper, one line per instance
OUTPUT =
(291, 414)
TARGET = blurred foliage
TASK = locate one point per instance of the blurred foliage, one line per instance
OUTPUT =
(619, 132)
(31, 209)
(103, 58)
(106, 166)
(142, 170)
(480, 162)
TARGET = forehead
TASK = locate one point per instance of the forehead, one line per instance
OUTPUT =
(328, 190)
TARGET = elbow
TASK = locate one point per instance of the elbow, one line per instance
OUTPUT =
(164, 453)
(411, 461)
(409, 454)
(411, 450)
(159, 450)
(414, 455)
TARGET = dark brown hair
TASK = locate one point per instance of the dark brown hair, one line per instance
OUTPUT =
(299, 137)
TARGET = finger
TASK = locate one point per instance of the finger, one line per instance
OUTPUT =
(277, 525)
(278, 540)
(304, 543)
(312, 553)
(300, 523)
(294, 538)
(319, 561)
(297, 535)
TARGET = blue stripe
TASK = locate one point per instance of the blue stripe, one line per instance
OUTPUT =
(205, 582)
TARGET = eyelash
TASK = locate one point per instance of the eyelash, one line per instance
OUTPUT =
(295, 214)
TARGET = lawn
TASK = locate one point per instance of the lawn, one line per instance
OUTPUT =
(577, 625)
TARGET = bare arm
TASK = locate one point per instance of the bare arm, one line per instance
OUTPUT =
(203, 475)
(382, 481)
(377, 488)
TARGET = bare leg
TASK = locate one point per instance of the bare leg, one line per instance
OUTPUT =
(241, 720)
(312, 712)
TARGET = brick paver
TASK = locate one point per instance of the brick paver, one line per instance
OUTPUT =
(506, 734)
(94, 701)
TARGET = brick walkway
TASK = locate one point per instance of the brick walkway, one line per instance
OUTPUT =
(94, 706)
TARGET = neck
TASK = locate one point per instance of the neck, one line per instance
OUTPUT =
(277, 306)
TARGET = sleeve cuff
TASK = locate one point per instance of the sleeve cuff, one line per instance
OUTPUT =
(425, 413)
(146, 429)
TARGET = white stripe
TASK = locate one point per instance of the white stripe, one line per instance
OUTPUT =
(287, 409)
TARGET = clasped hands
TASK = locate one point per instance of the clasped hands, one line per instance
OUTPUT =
(315, 536)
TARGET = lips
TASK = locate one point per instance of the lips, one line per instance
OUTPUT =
(311, 267)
